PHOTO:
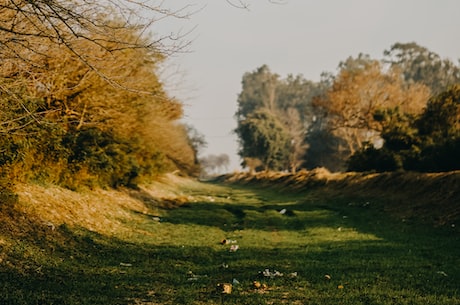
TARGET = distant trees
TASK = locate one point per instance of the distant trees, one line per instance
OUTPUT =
(265, 138)
(80, 96)
(362, 88)
(273, 118)
(420, 65)
(214, 164)
(429, 141)
(371, 115)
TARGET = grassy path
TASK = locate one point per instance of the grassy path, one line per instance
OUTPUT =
(280, 248)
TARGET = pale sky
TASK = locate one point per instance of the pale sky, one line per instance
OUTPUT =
(305, 37)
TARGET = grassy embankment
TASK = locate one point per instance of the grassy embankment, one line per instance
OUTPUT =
(333, 241)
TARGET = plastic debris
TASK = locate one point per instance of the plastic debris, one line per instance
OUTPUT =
(234, 248)
(125, 265)
(194, 277)
(292, 275)
(268, 273)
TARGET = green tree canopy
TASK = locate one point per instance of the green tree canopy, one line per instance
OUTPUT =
(429, 141)
(420, 65)
(288, 100)
(262, 136)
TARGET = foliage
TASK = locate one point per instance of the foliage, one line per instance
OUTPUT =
(361, 89)
(368, 102)
(370, 158)
(427, 142)
(259, 91)
(441, 118)
(95, 111)
(262, 136)
(25, 26)
(196, 139)
(289, 100)
(212, 164)
(420, 65)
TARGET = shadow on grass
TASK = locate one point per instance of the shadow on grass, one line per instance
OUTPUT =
(229, 217)
(102, 270)
(402, 264)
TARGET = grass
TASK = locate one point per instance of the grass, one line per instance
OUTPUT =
(328, 250)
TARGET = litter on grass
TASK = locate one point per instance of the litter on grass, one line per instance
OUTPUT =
(270, 274)
(234, 248)
(276, 273)
(292, 275)
(228, 241)
(194, 277)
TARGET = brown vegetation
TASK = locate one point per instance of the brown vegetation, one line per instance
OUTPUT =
(430, 197)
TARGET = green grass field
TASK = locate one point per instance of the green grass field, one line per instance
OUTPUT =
(281, 248)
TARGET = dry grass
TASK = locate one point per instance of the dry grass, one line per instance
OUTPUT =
(430, 197)
(102, 211)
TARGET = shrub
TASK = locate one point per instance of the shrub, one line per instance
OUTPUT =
(372, 159)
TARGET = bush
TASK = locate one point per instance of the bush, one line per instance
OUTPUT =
(7, 196)
(372, 159)
(114, 162)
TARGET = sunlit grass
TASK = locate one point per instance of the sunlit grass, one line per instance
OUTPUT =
(328, 252)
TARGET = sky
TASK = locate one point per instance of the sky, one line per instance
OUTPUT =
(305, 37)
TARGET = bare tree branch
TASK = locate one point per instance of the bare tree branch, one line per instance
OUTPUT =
(240, 4)
(63, 22)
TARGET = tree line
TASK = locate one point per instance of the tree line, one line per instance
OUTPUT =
(81, 101)
(401, 112)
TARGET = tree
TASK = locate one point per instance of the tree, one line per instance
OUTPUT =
(441, 117)
(420, 65)
(296, 131)
(116, 108)
(262, 136)
(240, 4)
(289, 100)
(429, 141)
(212, 164)
(362, 88)
(258, 91)
(33, 32)
(196, 139)
(25, 25)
